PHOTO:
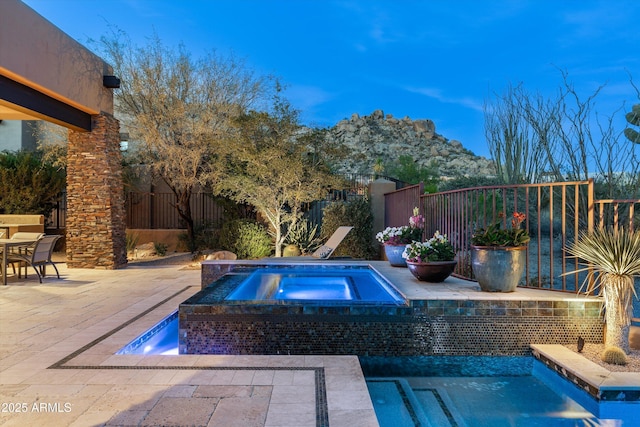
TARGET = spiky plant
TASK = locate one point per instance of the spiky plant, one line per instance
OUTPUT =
(614, 355)
(613, 259)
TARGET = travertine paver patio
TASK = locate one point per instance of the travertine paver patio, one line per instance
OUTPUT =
(58, 368)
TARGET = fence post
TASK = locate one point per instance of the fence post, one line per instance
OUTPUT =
(377, 189)
(590, 206)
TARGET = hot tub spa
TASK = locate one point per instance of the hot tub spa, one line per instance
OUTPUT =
(292, 309)
(316, 285)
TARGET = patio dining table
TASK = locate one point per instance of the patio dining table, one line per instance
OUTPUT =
(5, 246)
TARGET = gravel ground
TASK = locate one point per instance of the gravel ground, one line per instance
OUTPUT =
(593, 352)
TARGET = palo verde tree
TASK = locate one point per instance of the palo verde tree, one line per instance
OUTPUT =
(406, 169)
(178, 111)
(272, 169)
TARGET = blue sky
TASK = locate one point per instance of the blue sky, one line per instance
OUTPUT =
(434, 59)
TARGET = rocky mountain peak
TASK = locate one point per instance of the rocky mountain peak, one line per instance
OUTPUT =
(380, 136)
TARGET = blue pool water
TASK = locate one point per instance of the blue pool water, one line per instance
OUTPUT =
(162, 338)
(316, 284)
(475, 392)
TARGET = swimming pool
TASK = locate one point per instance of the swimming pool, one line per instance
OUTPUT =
(455, 390)
(160, 339)
(483, 391)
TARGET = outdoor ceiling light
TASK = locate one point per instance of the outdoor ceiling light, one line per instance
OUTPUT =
(111, 82)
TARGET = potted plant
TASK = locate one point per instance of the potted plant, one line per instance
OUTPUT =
(395, 239)
(613, 259)
(498, 255)
(431, 261)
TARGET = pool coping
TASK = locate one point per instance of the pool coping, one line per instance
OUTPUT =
(602, 384)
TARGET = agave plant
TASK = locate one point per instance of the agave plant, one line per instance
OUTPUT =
(613, 259)
(305, 235)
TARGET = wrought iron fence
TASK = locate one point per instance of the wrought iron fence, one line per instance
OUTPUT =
(556, 213)
(618, 213)
(399, 204)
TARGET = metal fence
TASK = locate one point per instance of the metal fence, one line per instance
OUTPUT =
(556, 213)
(153, 210)
(158, 210)
(399, 205)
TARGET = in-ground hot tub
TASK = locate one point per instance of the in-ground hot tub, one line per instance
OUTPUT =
(304, 308)
(319, 284)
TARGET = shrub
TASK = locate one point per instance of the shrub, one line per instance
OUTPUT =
(28, 184)
(468, 182)
(356, 213)
(614, 355)
(246, 238)
(160, 248)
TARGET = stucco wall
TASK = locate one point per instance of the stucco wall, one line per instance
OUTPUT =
(37, 54)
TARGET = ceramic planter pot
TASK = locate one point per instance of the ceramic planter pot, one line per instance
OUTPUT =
(434, 272)
(394, 255)
(498, 268)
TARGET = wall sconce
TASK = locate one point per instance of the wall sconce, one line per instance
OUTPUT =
(111, 82)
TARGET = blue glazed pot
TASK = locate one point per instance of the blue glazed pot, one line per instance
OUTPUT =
(394, 255)
(498, 268)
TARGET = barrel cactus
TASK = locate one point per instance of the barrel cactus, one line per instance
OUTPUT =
(614, 355)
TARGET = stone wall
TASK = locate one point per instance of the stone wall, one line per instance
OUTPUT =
(95, 197)
(385, 137)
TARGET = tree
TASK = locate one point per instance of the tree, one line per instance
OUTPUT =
(406, 169)
(28, 185)
(272, 169)
(178, 111)
(517, 157)
(562, 136)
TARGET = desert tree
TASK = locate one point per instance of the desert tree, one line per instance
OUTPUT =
(516, 155)
(178, 111)
(273, 169)
(52, 141)
(561, 135)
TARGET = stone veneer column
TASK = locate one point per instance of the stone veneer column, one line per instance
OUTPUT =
(95, 197)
